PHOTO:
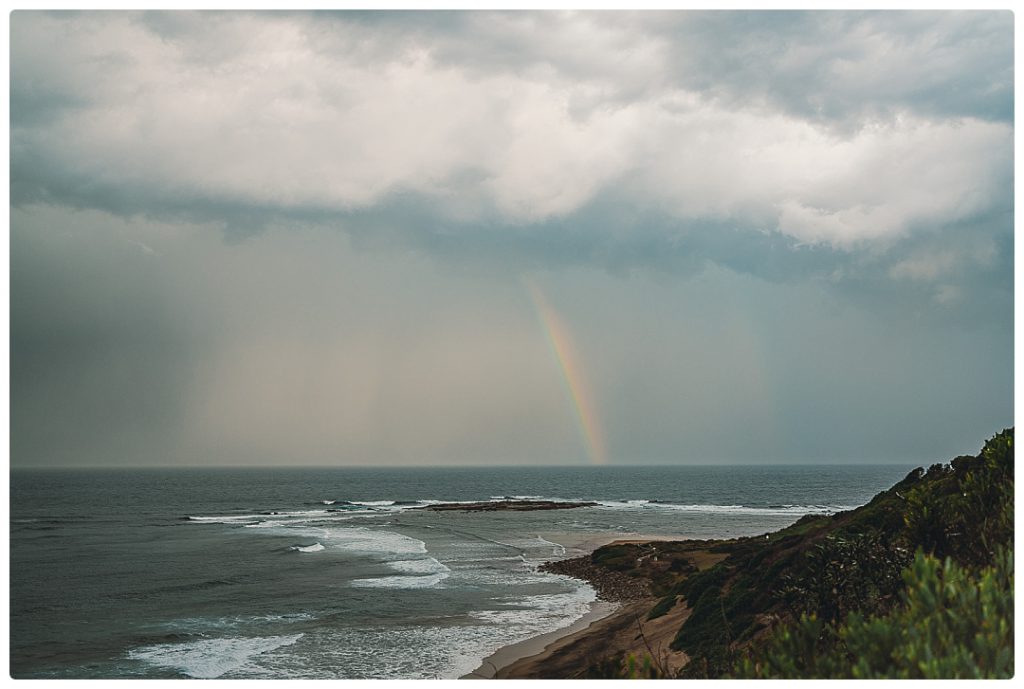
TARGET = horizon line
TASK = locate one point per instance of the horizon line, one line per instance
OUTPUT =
(114, 467)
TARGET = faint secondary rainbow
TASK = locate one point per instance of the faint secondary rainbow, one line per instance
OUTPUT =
(572, 373)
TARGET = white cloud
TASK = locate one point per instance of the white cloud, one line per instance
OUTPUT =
(281, 112)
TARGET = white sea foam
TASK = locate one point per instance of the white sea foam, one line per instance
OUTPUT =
(360, 539)
(626, 504)
(504, 572)
(267, 524)
(400, 582)
(540, 608)
(247, 519)
(492, 558)
(204, 625)
(444, 650)
(422, 566)
(210, 658)
(556, 548)
(275, 519)
(314, 548)
(795, 510)
(304, 514)
(372, 506)
(420, 573)
(288, 618)
(433, 501)
(226, 519)
(522, 617)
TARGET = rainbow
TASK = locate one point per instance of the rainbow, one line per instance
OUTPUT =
(572, 373)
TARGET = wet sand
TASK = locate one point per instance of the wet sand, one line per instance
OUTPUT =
(627, 631)
(508, 655)
(609, 628)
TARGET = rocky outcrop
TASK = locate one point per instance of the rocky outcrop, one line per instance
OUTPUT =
(610, 585)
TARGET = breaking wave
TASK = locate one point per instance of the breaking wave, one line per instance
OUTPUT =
(210, 658)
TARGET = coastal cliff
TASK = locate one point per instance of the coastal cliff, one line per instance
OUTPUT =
(918, 583)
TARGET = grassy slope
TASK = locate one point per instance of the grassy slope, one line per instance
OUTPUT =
(828, 567)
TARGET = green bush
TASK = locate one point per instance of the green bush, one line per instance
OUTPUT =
(618, 558)
(841, 574)
(626, 667)
(965, 510)
(840, 584)
(662, 607)
(952, 624)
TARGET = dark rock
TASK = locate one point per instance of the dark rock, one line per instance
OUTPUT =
(610, 585)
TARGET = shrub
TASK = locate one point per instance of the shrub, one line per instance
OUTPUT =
(844, 574)
(952, 624)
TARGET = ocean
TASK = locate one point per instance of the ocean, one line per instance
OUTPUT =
(333, 573)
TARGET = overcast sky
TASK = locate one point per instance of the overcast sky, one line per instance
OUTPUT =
(295, 239)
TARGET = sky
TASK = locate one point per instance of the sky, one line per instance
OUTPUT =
(529, 238)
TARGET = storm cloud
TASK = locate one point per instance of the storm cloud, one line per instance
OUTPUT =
(301, 237)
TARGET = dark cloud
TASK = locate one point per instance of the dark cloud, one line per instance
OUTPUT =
(843, 66)
(181, 115)
(797, 223)
(852, 66)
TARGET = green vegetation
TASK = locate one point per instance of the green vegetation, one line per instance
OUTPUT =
(918, 583)
(663, 564)
(953, 624)
(625, 667)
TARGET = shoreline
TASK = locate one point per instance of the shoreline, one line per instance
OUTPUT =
(535, 646)
(516, 660)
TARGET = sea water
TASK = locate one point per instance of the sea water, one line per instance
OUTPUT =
(335, 573)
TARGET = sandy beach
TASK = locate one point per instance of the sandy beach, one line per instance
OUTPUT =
(611, 627)
(626, 631)
(535, 646)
